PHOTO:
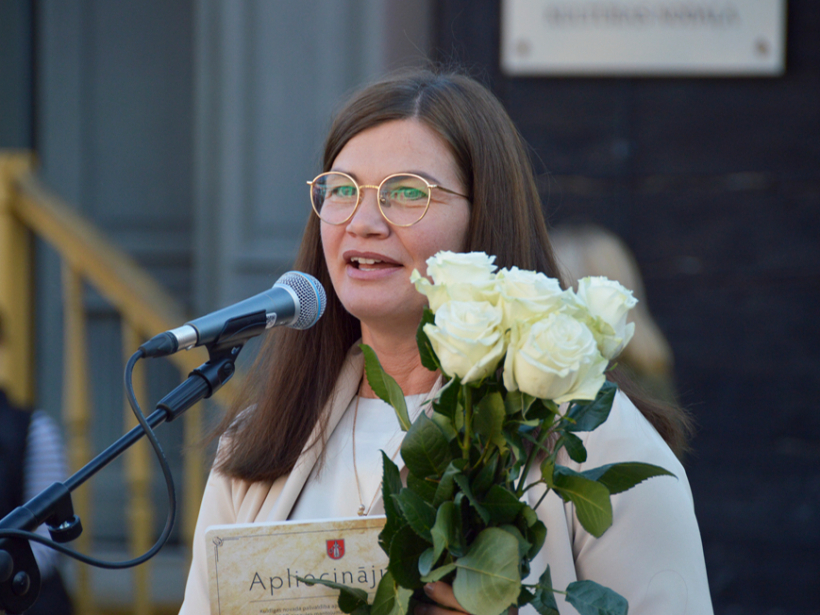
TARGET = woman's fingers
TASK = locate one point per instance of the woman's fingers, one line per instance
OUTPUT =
(442, 593)
(432, 609)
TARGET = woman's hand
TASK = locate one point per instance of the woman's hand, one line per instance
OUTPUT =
(442, 593)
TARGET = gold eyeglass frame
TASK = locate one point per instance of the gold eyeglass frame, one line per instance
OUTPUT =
(360, 191)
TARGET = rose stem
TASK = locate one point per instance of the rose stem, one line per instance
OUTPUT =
(468, 420)
(530, 458)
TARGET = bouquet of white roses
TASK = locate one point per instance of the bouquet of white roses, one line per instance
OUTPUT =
(524, 365)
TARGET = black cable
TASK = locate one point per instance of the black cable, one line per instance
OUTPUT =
(169, 483)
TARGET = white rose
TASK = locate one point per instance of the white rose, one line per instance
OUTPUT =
(467, 338)
(555, 358)
(460, 267)
(525, 295)
(608, 302)
(457, 277)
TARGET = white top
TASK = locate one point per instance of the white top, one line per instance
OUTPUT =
(329, 491)
(652, 554)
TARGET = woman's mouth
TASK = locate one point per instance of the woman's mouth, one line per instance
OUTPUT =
(369, 264)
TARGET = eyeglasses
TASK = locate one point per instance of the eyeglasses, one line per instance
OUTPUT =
(403, 198)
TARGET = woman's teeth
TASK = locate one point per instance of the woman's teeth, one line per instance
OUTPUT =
(365, 264)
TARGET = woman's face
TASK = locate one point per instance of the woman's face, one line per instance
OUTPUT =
(369, 260)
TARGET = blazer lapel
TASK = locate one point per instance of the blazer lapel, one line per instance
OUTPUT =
(346, 388)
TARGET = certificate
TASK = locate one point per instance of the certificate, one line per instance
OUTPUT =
(255, 568)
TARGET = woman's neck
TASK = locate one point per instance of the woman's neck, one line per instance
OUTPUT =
(399, 357)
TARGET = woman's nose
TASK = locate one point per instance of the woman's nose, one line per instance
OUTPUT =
(368, 219)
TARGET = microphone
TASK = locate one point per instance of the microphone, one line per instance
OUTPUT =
(296, 300)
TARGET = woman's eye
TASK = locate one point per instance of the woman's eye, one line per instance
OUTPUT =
(343, 191)
(407, 194)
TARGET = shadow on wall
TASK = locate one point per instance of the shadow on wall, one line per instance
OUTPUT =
(590, 250)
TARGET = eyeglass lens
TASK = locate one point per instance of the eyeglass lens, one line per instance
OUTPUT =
(403, 199)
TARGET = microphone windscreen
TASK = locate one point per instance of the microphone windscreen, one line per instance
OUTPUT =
(311, 294)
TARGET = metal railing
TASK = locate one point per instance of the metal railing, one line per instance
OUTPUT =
(28, 211)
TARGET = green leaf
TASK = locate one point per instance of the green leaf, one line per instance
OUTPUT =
(524, 597)
(425, 488)
(350, 598)
(384, 385)
(446, 426)
(426, 352)
(426, 562)
(425, 448)
(544, 598)
(524, 427)
(590, 598)
(458, 417)
(618, 477)
(446, 532)
(391, 477)
(485, 477)
(464, 484)
(550, 405)
(516, 402)
(501, 444)
(439, 573)
(489, 416)
(390, 599)
(548, 471)
(405, 550)
(488, 579)
(542, 411)
(502, 505)
(531, 528)
(516, 445)
(592, 504)
(589, 415)
(536, 534)
(523, 544)
(528, 516)
(446, 400)
(575, 447)
(419, 514)
(512, 402)
(446, 486)
(391, 485)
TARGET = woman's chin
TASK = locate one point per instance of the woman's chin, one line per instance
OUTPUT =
(392, 321)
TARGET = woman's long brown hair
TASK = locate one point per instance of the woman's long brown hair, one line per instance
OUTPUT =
(295, 372)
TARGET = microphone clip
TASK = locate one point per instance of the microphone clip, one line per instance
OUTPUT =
(202, 382)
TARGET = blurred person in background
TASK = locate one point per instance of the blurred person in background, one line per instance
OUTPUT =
(32, 458)
(590, 250)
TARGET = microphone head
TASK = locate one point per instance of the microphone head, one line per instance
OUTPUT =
(311, 294)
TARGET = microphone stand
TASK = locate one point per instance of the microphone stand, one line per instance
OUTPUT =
(19, 573)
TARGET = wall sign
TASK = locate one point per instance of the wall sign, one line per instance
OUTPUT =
(643, 38)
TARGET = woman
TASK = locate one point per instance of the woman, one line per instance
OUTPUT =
(450, 132)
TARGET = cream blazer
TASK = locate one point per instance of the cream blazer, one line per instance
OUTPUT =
(652, 554)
